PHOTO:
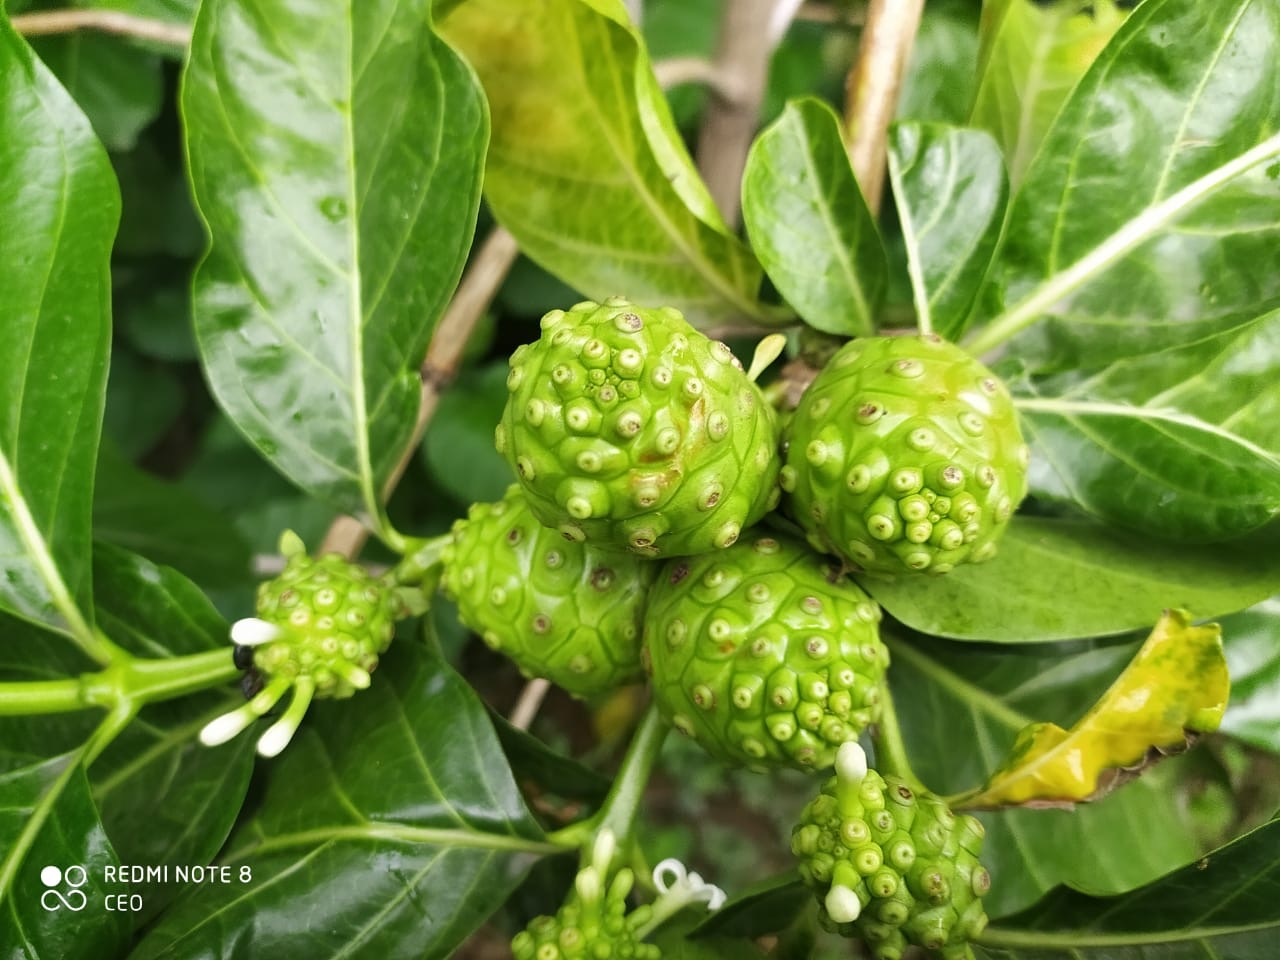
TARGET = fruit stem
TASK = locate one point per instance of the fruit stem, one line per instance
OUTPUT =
(421, 559)
(618, 813)
(891, 750)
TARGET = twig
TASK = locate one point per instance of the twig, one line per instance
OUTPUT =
(747, 29)
(674, 71)
(526, 707)
(479, 284)
(49, 22)
(871, 89)
(830, 13)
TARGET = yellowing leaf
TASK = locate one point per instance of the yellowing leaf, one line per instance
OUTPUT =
(1175, 687)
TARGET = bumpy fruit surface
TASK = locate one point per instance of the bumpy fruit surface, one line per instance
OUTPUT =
(763, 654)
(561, 610)
(335, 620)
(594, 931)
(893, 866)
(630, 430)
(905, 455)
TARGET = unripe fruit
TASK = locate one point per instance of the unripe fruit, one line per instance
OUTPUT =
(335, 620)
(559, 609)
(764, 654)
(891, 865)
(905, 455)
(600, 931)
(630, 430)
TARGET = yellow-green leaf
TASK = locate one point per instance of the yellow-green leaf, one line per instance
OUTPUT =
(1175, 687)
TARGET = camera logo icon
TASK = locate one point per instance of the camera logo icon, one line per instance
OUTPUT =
(54, 899)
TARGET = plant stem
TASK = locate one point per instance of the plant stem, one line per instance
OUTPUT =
(891, 750)
(51, 22)
(620, 806)
(124, 687)
(741, 70)
(871, 89)
(20, 698)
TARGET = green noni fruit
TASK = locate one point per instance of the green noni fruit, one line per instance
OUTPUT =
(891, 865)
(764, 654)
(560, 609)
(593, 923)
(903, 455)
(333, 621)
(630, 430)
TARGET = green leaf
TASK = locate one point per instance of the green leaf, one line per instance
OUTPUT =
(676, 943)
(1222, 905)
(533, 760)
(1253, 657)
(458, 448)
(166, 523)
(939, 83)
(48, 819)
(1175, 687)
(1061, 579)
(392, 815)
(165, 797)
(1119, 442)
(53, 342)
(144, 401)
(335, 155)
(586, 168)
(1141, 221)
(120, 88)
(764, 907)
(1031, 56)
(961, 708)
(809, 223)
(950, 189)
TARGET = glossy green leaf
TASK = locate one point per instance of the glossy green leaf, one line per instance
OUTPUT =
(335, 154)
(586, 168)
(1141, 223)
(940, 80)
(54, 339)
(1031, 57)
(166, 523)
(392, 815)
(950, 189)
(764, 907)
(1183, 443)
(1253, 656)
(961, 709)
(1222, 905)
(119, 88)
(1061, 579)
(533, 761)
(48, 819)
(809, 223)
(1175, 687)
(165, 797)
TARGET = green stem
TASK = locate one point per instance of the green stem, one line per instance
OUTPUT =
(126, 686)
(421, 559)
(41, 696)
(891, 750)
(620, 806)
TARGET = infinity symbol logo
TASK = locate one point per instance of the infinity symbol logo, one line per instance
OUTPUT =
(75, 900)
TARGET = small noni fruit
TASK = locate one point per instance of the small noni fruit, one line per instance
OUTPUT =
(764, 654)
(559, 609)
(630, 430)
(904, 455)
(593, 923)
(333, 621)
(891, 865)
